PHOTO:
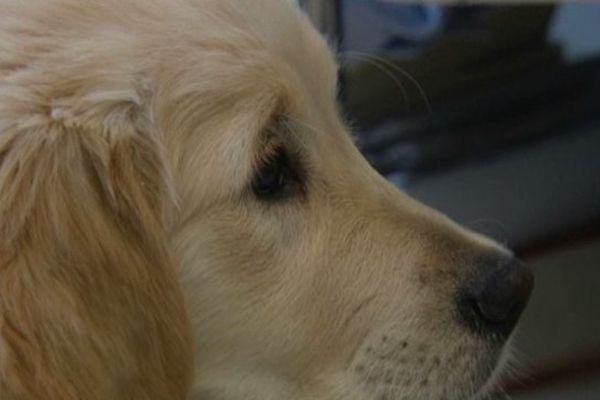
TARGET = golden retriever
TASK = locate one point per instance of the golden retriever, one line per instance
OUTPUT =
(184, 215)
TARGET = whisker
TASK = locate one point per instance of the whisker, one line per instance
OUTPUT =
(381, 67)
(398, 69)
(305, 124)
(408, 76)
(300, 138)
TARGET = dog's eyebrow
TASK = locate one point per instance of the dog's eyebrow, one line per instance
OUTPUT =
(281, 125)
(268, 127)
(277, 121)
(278, 132)
(280, 122)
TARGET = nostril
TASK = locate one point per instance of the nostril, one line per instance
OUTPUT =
(505, 294)
(496, 297)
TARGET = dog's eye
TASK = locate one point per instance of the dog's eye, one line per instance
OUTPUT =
(276, 178)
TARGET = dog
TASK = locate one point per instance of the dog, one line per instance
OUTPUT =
(184, 215)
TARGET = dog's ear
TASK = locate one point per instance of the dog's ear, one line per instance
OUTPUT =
(90, 306)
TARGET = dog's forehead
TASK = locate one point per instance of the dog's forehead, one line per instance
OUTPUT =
(289, 37)
(264, 48)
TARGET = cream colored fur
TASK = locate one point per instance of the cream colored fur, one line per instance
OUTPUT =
(130, 132)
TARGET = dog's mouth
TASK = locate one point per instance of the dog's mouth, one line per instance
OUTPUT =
(392, 368)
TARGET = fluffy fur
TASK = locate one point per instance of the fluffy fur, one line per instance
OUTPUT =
(135, 261)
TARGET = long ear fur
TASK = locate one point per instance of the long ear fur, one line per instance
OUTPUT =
(90, 307)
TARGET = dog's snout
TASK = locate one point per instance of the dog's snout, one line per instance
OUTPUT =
(496, 296)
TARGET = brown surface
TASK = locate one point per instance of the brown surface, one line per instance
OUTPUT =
(556, 241)
(554, 372)
(575, 366)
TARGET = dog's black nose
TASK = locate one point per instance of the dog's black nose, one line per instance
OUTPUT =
(496, 296)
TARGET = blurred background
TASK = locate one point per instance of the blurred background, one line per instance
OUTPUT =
(491, 114)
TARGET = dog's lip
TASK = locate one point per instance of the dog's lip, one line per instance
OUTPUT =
(489, 382)
(492, 387)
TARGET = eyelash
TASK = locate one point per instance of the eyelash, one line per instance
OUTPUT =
(276, 178)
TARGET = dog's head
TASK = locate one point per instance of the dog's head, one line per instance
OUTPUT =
(207, 132)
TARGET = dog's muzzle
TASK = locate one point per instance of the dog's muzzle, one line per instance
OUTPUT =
(496, 295)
